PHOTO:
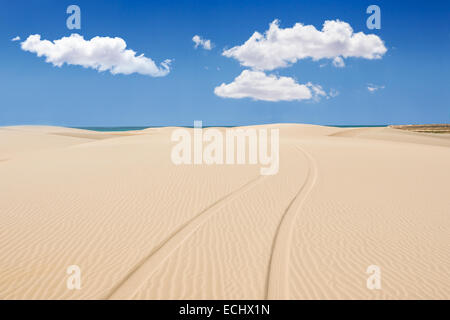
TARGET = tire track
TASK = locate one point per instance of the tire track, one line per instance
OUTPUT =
(145, 269)
(277, 285)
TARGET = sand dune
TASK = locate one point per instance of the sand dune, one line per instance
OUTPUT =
(140, 227)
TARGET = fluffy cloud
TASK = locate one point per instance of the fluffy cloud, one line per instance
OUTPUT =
(372, 88)
(16, 38)
(317, 91)
(259, 86)
(99, 53)
(338, 62)
(205, 44)
(281, 47)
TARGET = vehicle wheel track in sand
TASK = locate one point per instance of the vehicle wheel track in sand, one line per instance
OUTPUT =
(278, 276)
(127, 288)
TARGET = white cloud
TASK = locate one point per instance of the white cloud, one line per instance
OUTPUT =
(205, 44)
(99, 53)
(338, 62)
(333, 93)
(372, 88)
(317, 91)
(259, 86)
(16, 38)
(281, 47)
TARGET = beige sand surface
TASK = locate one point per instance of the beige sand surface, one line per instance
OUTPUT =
(140, 227)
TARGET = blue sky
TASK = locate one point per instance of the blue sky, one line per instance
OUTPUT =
(413, 75)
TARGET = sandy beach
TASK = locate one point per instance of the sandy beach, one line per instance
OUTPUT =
(141, 227)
